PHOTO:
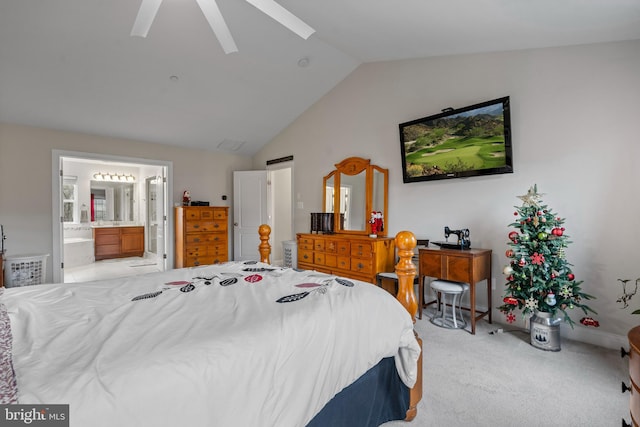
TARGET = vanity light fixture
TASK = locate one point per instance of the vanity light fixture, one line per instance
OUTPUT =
(114, 177)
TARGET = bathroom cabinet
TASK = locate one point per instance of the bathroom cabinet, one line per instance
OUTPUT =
(118, 242)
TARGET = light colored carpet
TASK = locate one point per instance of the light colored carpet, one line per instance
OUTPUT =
(500, 380)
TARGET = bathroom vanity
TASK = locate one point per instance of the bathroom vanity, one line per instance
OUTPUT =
(118, 241)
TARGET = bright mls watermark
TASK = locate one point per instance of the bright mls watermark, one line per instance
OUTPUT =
(34, 415)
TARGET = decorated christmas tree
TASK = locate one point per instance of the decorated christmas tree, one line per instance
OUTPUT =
(539, 277)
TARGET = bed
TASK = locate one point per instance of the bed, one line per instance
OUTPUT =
(233, 344)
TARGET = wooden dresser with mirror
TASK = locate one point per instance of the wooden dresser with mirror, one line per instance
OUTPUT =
(356, 188)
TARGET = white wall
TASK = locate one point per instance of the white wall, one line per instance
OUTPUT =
(25, 178)
(575, 117)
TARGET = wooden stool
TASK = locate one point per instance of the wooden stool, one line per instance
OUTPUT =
(456, 290)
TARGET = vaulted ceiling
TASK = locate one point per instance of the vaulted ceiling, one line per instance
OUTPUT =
(72, 64)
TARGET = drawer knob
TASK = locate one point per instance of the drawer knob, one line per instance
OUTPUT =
(196, 226)
(625, 387)
(624, 352)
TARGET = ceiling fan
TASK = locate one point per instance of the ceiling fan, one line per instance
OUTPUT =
(149, 8)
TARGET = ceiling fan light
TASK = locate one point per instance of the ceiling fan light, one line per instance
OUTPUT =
(217, 23)
(283, 16)
(146, 15)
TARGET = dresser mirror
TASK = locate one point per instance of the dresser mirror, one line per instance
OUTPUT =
(352, 191)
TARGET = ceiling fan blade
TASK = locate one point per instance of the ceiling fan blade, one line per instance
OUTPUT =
(218, 25)
(284, 17)
(146, 15)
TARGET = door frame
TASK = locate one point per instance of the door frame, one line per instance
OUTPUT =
(57, 225)
(278, 235)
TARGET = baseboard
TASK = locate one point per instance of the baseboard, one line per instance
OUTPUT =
(589, 335)
(594, 336)
(581, 333)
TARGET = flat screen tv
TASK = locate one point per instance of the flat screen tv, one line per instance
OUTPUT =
(460, 143)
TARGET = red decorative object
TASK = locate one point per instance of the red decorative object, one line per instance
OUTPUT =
(510, 300)
(513, 236)
(537, 258)
(588, 321)
(511, 317)
(509, 253)
(522, 262)
(377, 222)
(372, 221)
(570, 276)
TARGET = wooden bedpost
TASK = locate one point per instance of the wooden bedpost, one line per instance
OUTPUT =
(265, 248)
(406, 271)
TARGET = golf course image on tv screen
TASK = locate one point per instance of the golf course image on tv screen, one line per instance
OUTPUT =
(470, 141)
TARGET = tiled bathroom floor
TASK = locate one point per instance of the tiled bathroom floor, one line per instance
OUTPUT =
(110, 268)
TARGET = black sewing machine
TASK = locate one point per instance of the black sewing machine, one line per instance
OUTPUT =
(463, 239)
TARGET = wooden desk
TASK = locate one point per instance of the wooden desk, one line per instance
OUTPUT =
(470, 266)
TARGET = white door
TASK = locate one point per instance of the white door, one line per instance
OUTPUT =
(157, 218)
(163, 226)
(249, 212)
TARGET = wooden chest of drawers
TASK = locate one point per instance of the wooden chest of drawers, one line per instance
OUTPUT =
(201, 235)
(358, 257)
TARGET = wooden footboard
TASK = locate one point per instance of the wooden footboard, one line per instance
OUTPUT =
(406, 271)
(265, 248)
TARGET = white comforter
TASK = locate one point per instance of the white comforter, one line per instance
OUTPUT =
(222, 354)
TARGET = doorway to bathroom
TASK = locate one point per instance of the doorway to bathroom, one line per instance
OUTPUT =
(95, 197)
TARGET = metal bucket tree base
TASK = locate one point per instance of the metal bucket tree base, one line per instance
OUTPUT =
(545, 331)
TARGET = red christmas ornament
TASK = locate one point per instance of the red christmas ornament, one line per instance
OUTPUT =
(515, 214)
(510, 300)
(522, 262)
(570, 276)
(509, 253)
(588, 321)
(513, 236)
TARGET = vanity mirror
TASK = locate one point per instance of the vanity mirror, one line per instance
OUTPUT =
(352, 191)
(112, 201)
